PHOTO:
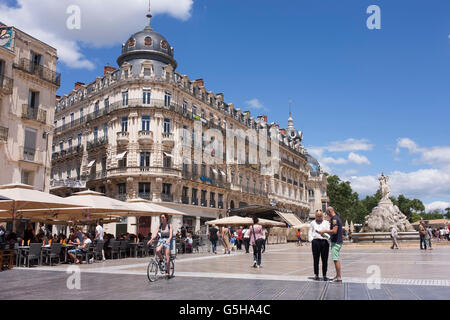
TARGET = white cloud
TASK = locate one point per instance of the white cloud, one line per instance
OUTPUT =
(349, 145)
(358, 159)
(103, 23)
(438, 156)
(437, 205)
(352, 158)
(255, 104)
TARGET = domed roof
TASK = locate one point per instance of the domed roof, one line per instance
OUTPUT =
(149, 45)
(314, 164)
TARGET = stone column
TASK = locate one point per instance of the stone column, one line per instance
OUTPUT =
(132, 225)
(154, 225)
(197, 224)
(177, 222)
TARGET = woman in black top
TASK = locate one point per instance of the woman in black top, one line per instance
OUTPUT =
(28, 234)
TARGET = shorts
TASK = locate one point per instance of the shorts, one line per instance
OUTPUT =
(163, 241)
(76, 251)
(336, 250)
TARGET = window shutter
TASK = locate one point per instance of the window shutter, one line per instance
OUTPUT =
(30, 139)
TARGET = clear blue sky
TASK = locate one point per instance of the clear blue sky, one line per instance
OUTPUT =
(345, 81)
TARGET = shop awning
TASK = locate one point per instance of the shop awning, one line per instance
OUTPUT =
(120, 156)
(215, 171)
(222, 173)
(91, 164)
(168, 155)
(290, 218)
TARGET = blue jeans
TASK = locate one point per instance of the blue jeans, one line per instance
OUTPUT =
(257, 251)
(214, 245)
(424, 241)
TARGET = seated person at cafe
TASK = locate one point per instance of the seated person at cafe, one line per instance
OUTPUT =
(73, 253)
(189, 242)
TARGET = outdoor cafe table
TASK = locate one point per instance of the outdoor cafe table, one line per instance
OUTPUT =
(66, 249)
(134, 247)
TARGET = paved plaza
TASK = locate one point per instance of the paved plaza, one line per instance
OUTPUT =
(408, 273)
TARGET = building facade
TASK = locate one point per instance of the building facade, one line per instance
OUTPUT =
(28, 84)
(136, 131)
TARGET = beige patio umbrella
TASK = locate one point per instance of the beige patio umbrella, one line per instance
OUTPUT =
(24, 197)
(352, 227)
(346, 227)
(238, 220)
(148, 209)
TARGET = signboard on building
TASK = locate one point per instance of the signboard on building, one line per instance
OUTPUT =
(6, 37)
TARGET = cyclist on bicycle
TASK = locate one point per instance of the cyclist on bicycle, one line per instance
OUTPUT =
(165, 240)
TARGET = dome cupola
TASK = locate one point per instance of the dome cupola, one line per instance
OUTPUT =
(147, 45)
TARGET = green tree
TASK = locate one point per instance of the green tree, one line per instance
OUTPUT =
(407, 206)
(345, 201)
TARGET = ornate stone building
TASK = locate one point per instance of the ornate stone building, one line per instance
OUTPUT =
(123, 135)
(28, 84)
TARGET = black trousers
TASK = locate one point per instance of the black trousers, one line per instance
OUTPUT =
(320, 249)
(247, 245)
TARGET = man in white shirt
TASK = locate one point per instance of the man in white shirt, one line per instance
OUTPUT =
(99, 235)
(319, 244)
(394, 236)
(246, 233)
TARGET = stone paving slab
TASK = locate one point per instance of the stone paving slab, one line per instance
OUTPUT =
(286, 275)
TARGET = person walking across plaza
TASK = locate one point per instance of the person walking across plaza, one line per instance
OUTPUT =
(239, 238)
(429, 236)
(336, 241)
(256, 240)
(99, 235)
(394, 236)
(226, 236)
(246, 239)
(422, 234)
(213, 236)
(265, 236)
(319, 244)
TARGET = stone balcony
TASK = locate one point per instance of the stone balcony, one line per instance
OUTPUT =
(123, 138)
(168, 139)
(138, 171)
(145, 137)
(34, 113)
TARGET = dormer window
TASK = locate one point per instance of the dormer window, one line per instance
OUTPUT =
(164, 44)
(148, 41)
(131, 42)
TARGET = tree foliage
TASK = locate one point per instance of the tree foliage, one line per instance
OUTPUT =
(348, 206)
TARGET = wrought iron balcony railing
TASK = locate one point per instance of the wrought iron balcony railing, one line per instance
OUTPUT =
(42, 72)
(3, 134)
(34, 113)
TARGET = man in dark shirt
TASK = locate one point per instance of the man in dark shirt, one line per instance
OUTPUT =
(336, 241)
(213, 237)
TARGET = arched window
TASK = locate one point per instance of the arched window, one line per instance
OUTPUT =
(131, 42)
(148, 41)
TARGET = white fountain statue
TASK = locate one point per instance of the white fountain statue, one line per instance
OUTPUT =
(386, 215)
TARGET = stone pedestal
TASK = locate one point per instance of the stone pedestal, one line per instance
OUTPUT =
(384, 216)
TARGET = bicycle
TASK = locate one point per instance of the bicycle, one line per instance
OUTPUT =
(155, 266)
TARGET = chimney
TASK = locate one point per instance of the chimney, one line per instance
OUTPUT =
(108, 69)
(78, 85)
(219, 96)
(265, 118)
(200, 82)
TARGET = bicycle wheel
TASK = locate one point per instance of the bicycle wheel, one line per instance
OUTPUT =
(172, 268)
(152, 271)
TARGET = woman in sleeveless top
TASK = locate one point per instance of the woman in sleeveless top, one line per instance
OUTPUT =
(226, 239)
(166, 230)
(256, 240)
